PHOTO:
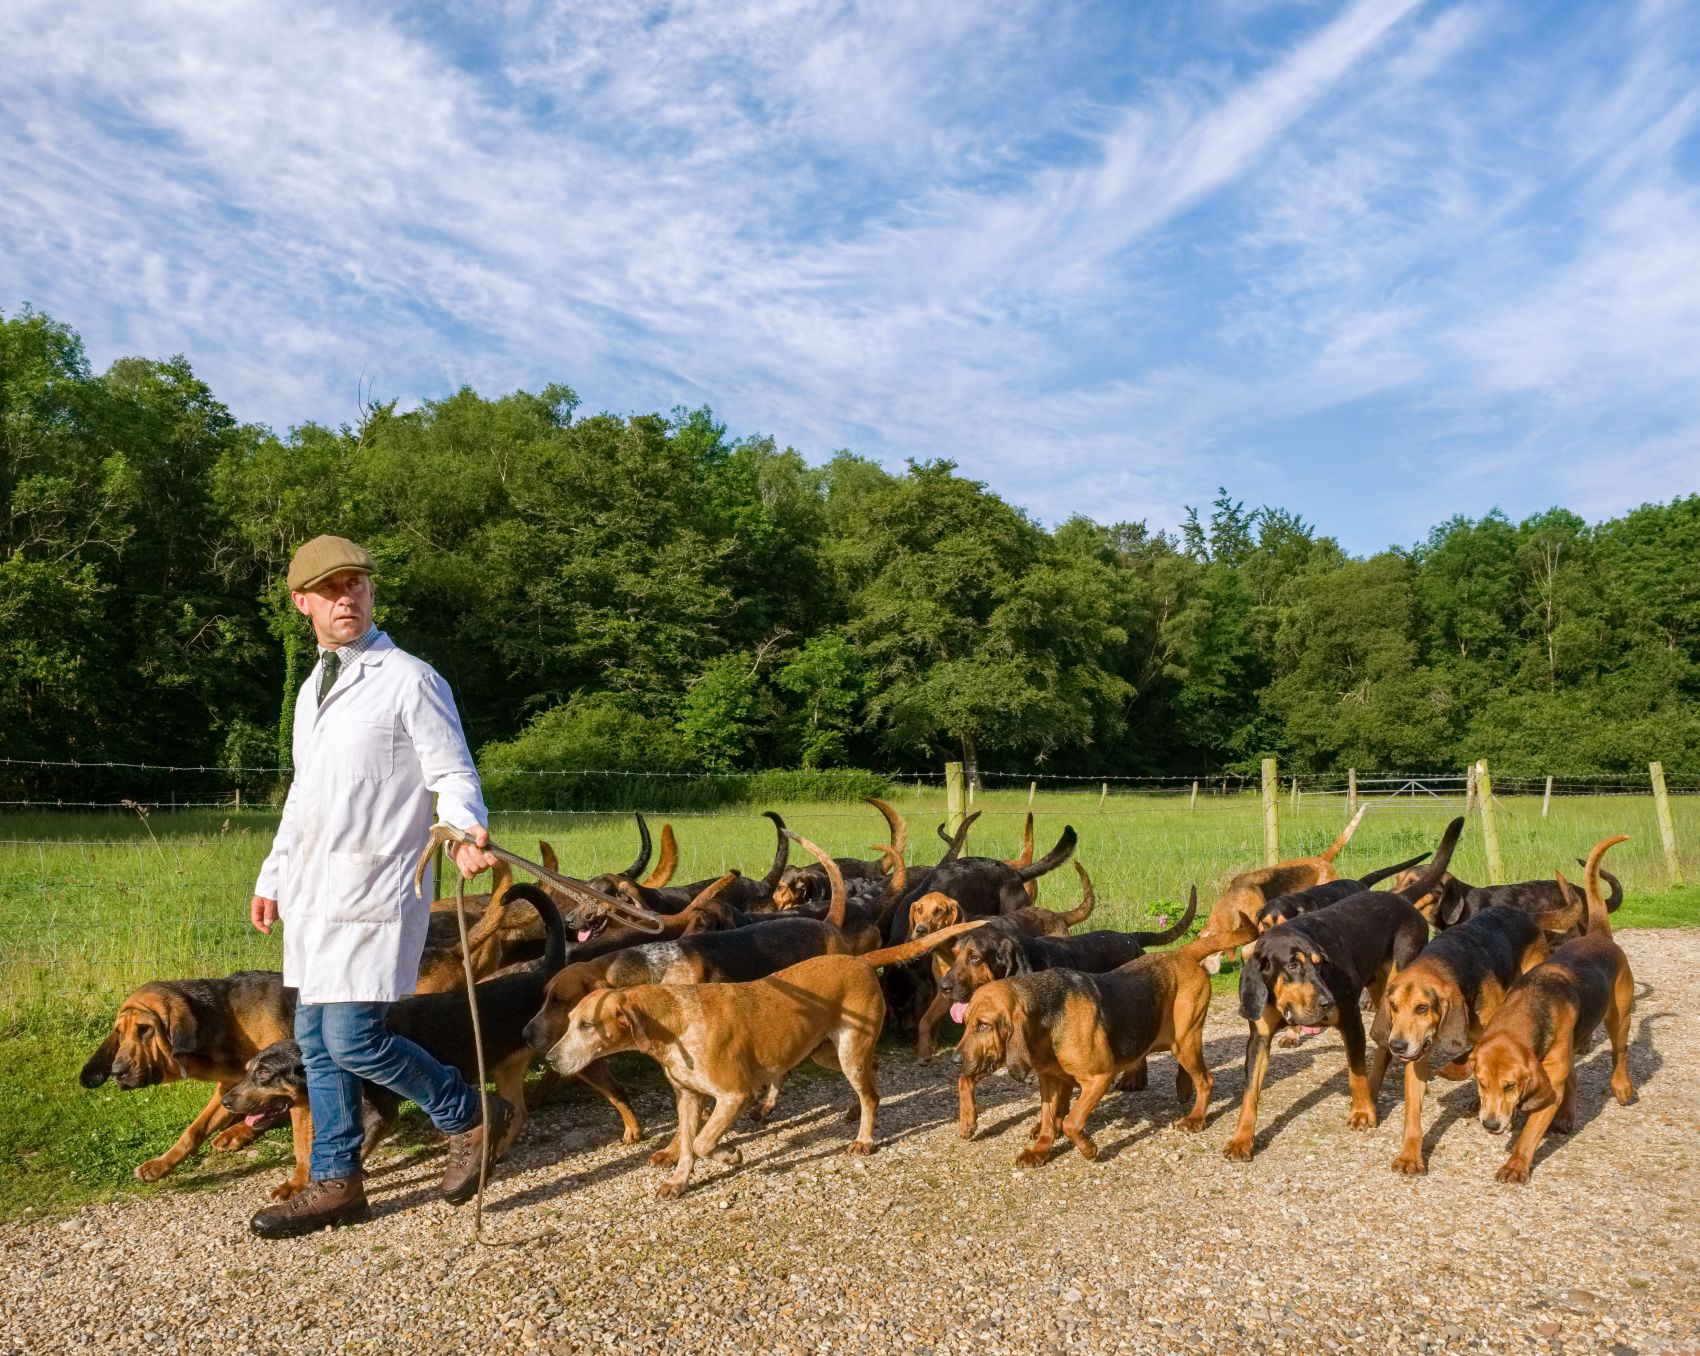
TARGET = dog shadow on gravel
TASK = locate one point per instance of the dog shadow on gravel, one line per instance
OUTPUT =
(1593, 1077)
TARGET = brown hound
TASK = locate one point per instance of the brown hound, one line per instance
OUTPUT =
(1526, 1058)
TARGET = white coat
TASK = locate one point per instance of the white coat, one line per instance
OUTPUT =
(356, 819)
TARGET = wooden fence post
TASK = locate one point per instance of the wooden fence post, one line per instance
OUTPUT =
(1546, 800)
(1667, 827)
(1351, 792)
(1271, 831)
(1490, 825)
(1103, 795)
(952, 797)
(1031, 788)
(1193, 803)
(1469, 790)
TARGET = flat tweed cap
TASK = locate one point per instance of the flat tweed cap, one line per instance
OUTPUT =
(322, 557)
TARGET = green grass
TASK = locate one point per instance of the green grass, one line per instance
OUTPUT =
(93, 904)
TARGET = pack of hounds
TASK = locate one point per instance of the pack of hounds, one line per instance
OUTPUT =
(754, 975)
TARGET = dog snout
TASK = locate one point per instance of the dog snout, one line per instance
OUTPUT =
(537, 1035)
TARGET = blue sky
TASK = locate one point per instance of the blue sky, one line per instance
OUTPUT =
(1377, 262)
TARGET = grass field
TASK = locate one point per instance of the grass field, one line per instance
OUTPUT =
(93, 904)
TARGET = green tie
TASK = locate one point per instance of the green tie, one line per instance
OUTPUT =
(328, 667)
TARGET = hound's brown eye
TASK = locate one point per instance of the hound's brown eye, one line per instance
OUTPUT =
(1421, 1008)
(1510, 1087)
(982, 1026)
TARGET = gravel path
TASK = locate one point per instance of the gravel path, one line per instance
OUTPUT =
(937, 1245)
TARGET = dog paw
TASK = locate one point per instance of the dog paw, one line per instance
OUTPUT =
(1191, 1124)
(664, 1158)
(284, 1190)
(153, 1169)
(1032, 1158)
(1563, 1125)
(236, 1137)
(1087, 1146)
(1625, 1093)
(631, 1135)
(730, 1157)
(860, 1148)
(1238, 1150)
(1513, 1171)
(669, 1191)
(1288, 1040)
(1410, 1165)
(966, 1129)
(1362, 1118)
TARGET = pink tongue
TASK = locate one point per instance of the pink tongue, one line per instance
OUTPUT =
(584, 934)
(1311, 1030)
(958, 1011)
(252, 1121)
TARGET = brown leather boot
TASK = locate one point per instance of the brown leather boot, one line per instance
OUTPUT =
(460, 1173)
(318, 1205)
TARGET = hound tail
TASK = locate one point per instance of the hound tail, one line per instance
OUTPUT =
(908, 951)
(1346, 833)
(1599, 915)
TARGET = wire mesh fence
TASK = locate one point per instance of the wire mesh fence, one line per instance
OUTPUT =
(98, 897)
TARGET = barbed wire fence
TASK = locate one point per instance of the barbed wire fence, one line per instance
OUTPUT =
(148, 874)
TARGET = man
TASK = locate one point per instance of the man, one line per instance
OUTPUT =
(375, 735)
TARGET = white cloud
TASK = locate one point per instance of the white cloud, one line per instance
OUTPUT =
(1095, 271)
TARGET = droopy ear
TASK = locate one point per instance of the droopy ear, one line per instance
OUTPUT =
(1016, 1057)
(1012, 959)
(1254, 991)
(1451, 909)
(1452, 1040)
(1540, 1093)
(632, 1020)
(185, 1029)
(99, 1067)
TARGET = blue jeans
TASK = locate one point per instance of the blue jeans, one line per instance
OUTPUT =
(343, 1043)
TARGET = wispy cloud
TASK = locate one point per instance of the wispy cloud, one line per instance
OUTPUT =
(1103, 260)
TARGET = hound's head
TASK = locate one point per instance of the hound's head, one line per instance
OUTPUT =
(1289, 971)
(272, 1082)
(155, 1029)
(1423, 1013)
(603, 1023)
(982, 956)
(992, 1033)
(1508, 1077)
(568, 986)
(931, 912)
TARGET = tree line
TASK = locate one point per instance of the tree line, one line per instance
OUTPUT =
(648, 592)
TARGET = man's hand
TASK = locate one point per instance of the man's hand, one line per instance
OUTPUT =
(264, 913)
(471, 857)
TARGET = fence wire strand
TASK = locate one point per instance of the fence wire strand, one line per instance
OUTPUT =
(97, 896)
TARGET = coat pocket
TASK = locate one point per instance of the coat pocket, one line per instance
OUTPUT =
(364, 887)
(369, 755)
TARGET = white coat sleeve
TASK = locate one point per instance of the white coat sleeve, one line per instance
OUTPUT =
(434, 727)
(271, 870)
